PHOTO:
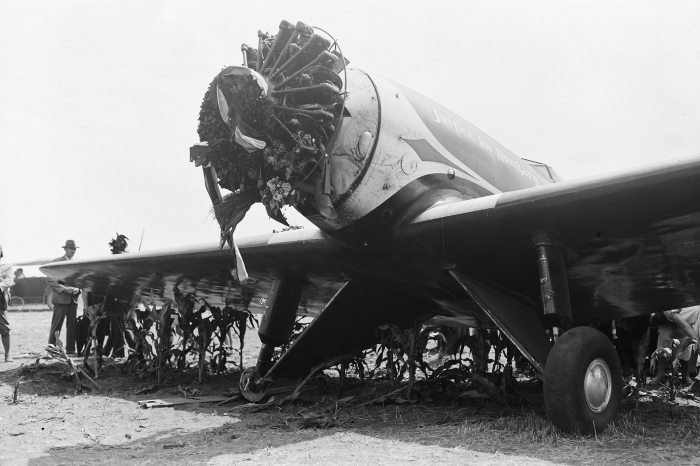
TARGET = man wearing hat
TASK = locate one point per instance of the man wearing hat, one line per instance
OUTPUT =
(64, 299)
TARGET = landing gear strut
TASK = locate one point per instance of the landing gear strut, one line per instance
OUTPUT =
(275, 329)
(582, 376)
(554, 286)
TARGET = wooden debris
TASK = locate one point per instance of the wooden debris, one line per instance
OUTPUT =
(179, 400)
(16, 391)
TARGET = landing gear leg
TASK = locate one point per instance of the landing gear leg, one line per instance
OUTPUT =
(275, 329)
(554, 286)
(582, 376)
(250, 385)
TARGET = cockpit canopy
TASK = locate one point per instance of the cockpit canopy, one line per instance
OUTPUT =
(544, 170)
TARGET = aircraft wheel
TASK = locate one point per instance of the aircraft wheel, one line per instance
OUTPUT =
(249, 386)
(582, 381)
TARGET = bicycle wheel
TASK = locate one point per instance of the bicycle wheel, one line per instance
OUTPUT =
(17, 302)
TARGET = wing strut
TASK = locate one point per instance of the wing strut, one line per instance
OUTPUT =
(518, 321)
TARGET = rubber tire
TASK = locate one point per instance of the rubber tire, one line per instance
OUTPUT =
(254, 395)
(564, 373)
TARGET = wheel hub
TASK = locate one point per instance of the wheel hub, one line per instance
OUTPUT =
(249, 386)
(597, 385)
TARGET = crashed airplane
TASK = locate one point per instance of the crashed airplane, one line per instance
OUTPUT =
(419, 214)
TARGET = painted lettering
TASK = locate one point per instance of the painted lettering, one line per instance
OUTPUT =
(461, 131)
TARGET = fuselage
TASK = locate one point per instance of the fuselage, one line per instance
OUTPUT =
(397, 153)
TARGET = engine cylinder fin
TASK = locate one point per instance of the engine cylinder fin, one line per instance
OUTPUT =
(325, 60)
(298, 31)
(306, 54)
(261, 45)
(285, 31)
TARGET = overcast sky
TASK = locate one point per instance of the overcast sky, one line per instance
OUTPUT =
(99, 99)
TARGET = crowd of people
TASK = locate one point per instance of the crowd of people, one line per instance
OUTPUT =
(62, 299)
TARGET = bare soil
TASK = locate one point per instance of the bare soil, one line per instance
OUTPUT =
(52, 424)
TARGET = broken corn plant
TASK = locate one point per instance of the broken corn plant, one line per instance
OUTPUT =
(401, 357)
(56, 351)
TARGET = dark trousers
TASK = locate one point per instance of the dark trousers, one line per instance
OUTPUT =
(67, 312)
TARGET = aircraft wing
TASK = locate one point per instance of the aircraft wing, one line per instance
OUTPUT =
(631, 241)
(209, 270)
(631, 244)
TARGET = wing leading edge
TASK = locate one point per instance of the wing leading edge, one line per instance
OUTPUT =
(631, 241)
(208, 270)
(631, 244)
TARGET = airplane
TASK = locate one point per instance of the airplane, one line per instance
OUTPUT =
(418, 213)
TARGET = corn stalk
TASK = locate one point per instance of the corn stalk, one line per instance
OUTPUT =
(95, 315)
(164, 339)
(241, 319)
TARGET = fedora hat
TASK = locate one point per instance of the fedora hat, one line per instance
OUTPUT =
(70, 244)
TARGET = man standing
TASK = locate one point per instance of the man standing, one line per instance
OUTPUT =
(6, 282)
(64, 299)
(683, 325)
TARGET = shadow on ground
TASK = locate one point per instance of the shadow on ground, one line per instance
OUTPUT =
(322, 421)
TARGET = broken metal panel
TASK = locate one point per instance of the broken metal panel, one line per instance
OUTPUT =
(345, 326)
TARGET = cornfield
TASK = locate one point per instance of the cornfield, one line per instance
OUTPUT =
(178, 336)
(190, 334)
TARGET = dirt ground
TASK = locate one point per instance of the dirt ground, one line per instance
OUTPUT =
(51, 424)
